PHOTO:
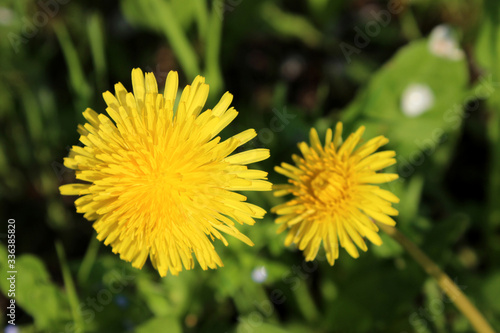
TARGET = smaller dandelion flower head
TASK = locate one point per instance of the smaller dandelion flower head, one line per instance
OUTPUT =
(335, 196)
(157, 180)
(416, 99)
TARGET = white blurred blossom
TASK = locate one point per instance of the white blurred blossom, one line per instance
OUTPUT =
(442, 43)
(11, 329)
(416, 99)
(6, 16)
(259, 274)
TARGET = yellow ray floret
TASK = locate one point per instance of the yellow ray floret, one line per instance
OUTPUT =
(158, 182)
(334, 199)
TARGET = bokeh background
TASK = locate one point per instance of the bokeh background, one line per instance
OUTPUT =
(424, 73)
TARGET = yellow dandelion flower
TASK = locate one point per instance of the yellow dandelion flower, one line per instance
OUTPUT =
(158, 181)
(334, 196)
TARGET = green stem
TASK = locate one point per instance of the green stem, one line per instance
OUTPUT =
(409, 25)
(306, 303)
(88, 260)
(176, 37)
(447, 285)
(95, 31)
(77, 78)
(70, 288)
(212, 43)
(494, 179)
(290, 24)
(201, 17)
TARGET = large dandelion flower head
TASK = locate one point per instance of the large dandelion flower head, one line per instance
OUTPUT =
(157, 180)
(335, 196)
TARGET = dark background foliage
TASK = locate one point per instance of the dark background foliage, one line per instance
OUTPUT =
(290, 65)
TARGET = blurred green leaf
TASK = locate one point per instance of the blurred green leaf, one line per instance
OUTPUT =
(70, 287)
(444, 234)
(410, 198)
(290, 25)
(435, 305)
(275, 57)
(161, 16)
(201, 16)
(35, 293)
(378, 107)
(186, 11)
(488, 40)
(253, 323)
(77, 79)
(155, 296)
(160, 324)
(212, 45)
(491, 290)
(389, 248)
(488, 53)
(96, 33)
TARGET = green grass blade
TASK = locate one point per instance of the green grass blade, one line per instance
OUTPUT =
(70, 287)
(176, 37)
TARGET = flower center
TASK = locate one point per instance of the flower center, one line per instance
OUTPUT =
(166, 181)
(329, 187)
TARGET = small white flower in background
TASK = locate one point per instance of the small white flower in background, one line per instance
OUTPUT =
(259, 274)
(442, 43)
(11, 329)
(416, 99)
(292, 67)
(6, 16)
